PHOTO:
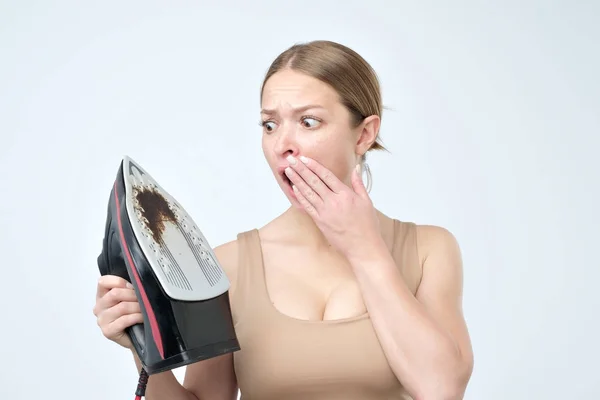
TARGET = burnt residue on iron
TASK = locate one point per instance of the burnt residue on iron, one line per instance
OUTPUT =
(155, 208)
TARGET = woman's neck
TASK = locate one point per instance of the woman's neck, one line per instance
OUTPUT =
(302, 229)
(297, 226)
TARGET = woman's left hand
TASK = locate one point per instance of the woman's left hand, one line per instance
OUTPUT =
(345, 215)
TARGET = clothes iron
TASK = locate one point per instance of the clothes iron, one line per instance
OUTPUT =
(152, 242)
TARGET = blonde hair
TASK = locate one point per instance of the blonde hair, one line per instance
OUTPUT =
(345, 71)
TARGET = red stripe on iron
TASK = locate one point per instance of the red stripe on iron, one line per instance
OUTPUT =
(147, 306)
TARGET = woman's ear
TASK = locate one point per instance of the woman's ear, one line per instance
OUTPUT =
(367, 134)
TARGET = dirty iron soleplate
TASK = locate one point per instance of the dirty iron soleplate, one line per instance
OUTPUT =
(176, 249)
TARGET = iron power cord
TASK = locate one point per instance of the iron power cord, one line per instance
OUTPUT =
(141, 387)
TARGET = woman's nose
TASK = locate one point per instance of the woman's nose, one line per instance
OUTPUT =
(286, 144)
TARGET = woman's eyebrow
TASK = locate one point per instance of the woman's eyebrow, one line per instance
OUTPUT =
(271, 111)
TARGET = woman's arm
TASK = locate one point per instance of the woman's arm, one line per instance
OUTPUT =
(425, 338)
(212, 379)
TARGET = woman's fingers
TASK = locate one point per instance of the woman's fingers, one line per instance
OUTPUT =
(114, 297)
(117, 308)
(108, 282)
(117, 327)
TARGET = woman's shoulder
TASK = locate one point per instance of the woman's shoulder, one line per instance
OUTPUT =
(439, 257)
(430, 239)
(228, 255)
(435, 240)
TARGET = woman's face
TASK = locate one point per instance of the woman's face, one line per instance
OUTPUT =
(303, 116)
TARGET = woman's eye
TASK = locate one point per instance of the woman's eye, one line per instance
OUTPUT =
(310, 122)
(269, 125)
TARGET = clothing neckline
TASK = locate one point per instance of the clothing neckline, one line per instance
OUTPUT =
(266, 296)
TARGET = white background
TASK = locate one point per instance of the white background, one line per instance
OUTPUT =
(492, 127)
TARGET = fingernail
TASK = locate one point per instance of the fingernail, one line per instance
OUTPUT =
(291, 160)
(304, 159)
(288, 171)
(358, 168)
(129, 285)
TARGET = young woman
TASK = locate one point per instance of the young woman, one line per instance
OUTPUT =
(332, 299)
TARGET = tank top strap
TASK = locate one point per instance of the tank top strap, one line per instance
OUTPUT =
(406, 254)
(250, 286)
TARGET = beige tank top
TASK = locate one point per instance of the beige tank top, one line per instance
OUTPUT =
(283, 358)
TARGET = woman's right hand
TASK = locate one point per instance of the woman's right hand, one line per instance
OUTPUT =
(116, 309)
